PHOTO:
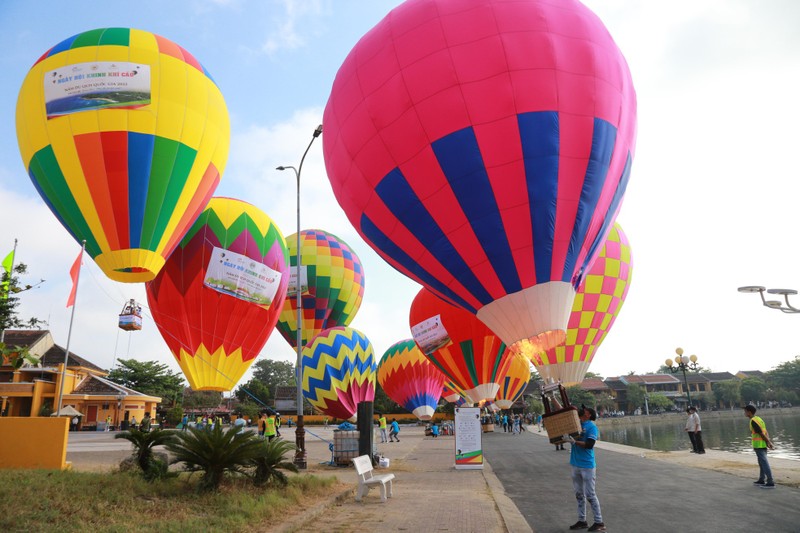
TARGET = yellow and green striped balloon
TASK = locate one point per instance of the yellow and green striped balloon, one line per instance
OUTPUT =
(125, 135)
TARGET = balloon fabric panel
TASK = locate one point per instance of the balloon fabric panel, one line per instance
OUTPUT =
(214, 336)
(410, 380)
(475, 358)
(335, 285)
(128, 179)
(596, 307)
(339, 370)
(483, 148)
(514, 382)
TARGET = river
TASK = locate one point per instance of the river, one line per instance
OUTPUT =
(725, 433)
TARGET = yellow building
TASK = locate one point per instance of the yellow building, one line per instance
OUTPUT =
(33, 390)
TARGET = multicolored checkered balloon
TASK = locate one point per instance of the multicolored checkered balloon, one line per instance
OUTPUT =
(514, 382)
(332, 285)
(408, 378)
(339, 371)
(597, 304)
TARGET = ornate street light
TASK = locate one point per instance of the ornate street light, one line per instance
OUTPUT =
(681, 364)
(773, 304)
(300, 432)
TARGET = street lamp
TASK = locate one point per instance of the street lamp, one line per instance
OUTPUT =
(682, 363)
(773, 304)
(300, 432)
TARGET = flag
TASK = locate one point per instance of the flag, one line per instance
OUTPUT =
(73, 273)
(8, 264)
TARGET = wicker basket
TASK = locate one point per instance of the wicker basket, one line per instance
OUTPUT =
(560, 423)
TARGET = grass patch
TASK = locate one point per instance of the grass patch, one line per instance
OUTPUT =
(37, 500)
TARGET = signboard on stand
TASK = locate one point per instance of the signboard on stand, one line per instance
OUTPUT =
(469, 448)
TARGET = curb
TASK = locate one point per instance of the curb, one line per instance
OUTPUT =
(512, 518)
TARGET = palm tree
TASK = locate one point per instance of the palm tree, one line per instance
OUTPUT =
(271, 460)
(215, 452)
(143, 444)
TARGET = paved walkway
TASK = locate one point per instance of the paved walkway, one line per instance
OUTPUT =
(525, 486)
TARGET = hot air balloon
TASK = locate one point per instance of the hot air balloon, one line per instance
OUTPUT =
(483, 148)
(218, 297)
(408, 378)
(514, 382)
(339, 371)
(332, 284)
(450, 392)
(125, 135)
(596, 306)
(460, 345)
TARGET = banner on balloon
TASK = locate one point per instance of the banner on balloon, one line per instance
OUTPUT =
(469, 448)
(241, 277)
(292, 290)
(96, 85)
(430, 335)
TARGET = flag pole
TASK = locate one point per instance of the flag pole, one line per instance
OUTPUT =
(8, 287)
(69, 335)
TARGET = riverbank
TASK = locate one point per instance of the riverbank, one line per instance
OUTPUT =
(678, 416)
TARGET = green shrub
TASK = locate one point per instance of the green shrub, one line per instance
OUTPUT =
(271, 460)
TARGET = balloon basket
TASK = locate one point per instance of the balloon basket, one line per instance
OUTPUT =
(488, 428)
(559, 424)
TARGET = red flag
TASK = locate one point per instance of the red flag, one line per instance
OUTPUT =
(73, 273)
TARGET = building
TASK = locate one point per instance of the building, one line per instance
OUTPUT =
(744, 374)
(33, 390)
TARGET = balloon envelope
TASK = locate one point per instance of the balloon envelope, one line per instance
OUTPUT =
(594, 311)
(514, 382)
(483, 148)
(125, 135)
(333, 285)
(458, 344)
(214, 326)
(339, 371)
(409, 379)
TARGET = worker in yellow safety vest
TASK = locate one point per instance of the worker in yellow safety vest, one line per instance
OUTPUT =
(270, 431)
(761, 441)
(382, 426)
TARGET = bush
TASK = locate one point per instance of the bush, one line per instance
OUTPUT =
(143, 444)
(272, 459)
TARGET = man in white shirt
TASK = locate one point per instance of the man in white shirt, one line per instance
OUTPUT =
(693, 425)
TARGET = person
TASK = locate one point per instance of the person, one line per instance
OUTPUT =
(184, 422)
(395, 431)
(271, 429)
(559, 445)
(505, 423)
(517, 423)
(278, 424)
(584, 470)
(289, 421)
(434, 430)
(325, 422)
(689, 429)
(761, 441)
(146, 423)
(108, 423)
(694, 422)
(262, 425)
(74, 424)
(133, 423)
(382, 427)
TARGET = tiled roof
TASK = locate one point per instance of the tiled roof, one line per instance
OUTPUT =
(593, 384)
(23, 337)
(718, 376)
(55, 356)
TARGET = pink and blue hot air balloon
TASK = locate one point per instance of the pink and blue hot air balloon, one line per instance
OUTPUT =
(483, 148)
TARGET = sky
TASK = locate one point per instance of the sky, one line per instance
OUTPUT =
(707, 209)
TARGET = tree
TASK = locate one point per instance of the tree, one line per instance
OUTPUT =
(9, 287)
(753, 390)
(592, 375)
(635, 395)
(143, 444)
(267, 374)
(577, 396)
(658, 400)
(201, 399)
(149, 377)
(728, 392)
(705, 399)
(785, 375)
(534, 405)
(384, 404)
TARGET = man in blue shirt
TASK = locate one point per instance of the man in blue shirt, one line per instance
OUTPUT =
(584, 470)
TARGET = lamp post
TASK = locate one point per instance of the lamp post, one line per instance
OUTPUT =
(773, 304)
(300, 432)
(119, 409)
(682, 363)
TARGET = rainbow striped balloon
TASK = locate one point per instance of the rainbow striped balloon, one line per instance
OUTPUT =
(597, 304)
(410, 379)
(125, 135)
(335, 281)
(215, 336)
(339, 371)
(514, 382)
(451, 392)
